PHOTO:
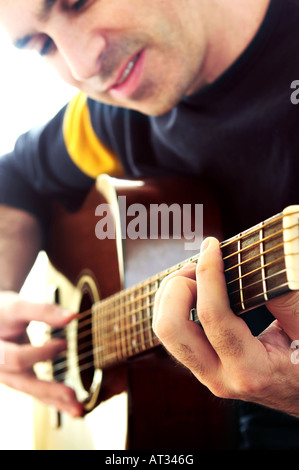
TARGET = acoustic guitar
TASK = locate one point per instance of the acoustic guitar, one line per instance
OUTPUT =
(135, 395)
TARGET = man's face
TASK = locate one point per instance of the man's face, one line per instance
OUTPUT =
(140, 54)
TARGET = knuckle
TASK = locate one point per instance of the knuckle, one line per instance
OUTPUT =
(201, 267)
(228, 344)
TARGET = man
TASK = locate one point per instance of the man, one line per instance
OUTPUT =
(201, 85)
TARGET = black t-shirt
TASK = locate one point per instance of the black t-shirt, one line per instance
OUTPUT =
(238, 135)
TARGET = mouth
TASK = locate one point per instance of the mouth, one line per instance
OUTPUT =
(129, 77)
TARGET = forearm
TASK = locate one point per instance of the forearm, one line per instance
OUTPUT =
(20, 242)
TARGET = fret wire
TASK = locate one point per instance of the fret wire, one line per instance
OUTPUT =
(115, 330)
(128, 329)
(149, 315)
(262, 253)
(240, 275)
(135, 330)
(118, 323)
(124, 351)
(99, 323)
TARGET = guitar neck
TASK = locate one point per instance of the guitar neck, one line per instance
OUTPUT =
(259, 264)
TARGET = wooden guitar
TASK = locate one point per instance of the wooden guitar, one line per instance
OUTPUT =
(112, 351)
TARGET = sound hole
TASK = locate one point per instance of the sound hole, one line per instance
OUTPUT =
(59, 363)
(85, 342)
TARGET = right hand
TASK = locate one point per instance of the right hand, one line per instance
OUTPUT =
(20, 356)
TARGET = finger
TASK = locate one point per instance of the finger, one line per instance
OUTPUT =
(52, 314)
(58, 395)
(184, 339)
(226, 332)
(18, 358)
(189, 270)
(16, 314)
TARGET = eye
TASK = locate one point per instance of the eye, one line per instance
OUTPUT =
(47, 47)
(78, 5)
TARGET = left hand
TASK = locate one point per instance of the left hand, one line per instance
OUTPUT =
(224, 355)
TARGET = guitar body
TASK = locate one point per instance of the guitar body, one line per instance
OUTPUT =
(147, 401)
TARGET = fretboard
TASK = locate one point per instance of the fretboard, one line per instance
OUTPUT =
(256, 269)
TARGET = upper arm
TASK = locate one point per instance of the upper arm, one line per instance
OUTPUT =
(20, 242)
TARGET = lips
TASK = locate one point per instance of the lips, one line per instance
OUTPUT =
(127, 71)
(129, 77)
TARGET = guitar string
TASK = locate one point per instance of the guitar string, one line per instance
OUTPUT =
(123, 307)
(123, 340)
(257, 242)
(137, 310)
(145, 307)
(258, 229)
(126, 292)
(130, 291)
(110, 358)
(126, 327)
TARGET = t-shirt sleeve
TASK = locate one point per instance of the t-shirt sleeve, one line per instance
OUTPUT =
(58, 161)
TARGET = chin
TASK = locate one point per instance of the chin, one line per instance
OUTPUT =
(147, 101)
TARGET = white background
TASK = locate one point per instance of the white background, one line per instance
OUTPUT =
(30, 94)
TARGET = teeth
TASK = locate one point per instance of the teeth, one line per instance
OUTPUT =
(127, 71)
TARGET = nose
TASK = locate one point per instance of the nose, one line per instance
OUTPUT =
(81, 51)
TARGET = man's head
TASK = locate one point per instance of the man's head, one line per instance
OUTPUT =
(141, 54)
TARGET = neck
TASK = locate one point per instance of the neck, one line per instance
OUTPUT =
(230, 27)
(256, 270)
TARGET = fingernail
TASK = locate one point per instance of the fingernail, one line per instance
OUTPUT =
(66, 313)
